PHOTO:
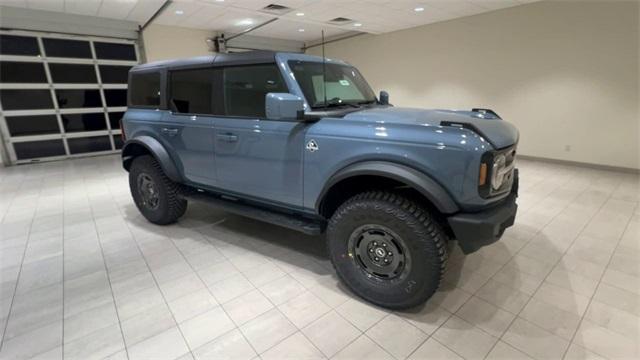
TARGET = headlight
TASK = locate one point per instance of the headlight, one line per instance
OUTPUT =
(498, 172)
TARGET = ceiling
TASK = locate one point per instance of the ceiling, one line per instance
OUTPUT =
(302, 21)
(134, 10)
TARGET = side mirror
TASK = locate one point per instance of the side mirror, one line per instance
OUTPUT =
(384, 98)
(284, 106)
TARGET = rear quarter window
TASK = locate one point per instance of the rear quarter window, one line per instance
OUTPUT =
(144, 89)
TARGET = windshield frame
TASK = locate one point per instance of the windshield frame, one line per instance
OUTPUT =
(360, 83)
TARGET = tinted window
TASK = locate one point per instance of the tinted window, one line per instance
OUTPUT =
(73, 74)
(19, 45)
(83, 122)
(38, 149)
(114, 119)
(192, 91)
(32, 125)
(22, 72)
(116, 97)
(89, 144)
(68, 99)
(111, 74)
(145, 90)
(245, 88)
(26, 99)
(113, 51)
(67, 48)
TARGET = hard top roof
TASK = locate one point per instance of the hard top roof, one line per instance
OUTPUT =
(241, 58)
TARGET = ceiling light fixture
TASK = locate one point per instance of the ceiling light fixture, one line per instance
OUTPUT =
(245, 22)
(357, 24)
(219, 0)
(179, 12)
(300, 30)
(418, 9)
(300, 14)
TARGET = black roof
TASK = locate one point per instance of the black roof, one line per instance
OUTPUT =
(241, 58)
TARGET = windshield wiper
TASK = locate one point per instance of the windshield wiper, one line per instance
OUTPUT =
(336, 101)
(366, 102)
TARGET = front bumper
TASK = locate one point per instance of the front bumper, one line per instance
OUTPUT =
(475, 230)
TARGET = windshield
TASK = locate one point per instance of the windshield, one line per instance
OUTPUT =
(344, 84)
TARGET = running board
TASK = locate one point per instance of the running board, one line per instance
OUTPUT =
(289, 221)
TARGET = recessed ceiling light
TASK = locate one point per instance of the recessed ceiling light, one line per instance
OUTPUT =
(300, 14)
(244, 22)
(179, 12)
(357, 24)
(300, 30)
(418, 9)
(219, 0)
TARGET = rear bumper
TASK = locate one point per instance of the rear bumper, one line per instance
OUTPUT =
(475, 230)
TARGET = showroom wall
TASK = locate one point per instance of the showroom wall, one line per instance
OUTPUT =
(162, 42)
(565, 72)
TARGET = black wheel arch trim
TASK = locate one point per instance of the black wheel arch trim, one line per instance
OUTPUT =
(156, 149)
(421, 182)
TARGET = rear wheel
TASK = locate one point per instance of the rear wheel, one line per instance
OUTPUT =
(155, 195)
(387, 249)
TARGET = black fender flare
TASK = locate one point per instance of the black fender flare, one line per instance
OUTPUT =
(420, 181)
(155, 148)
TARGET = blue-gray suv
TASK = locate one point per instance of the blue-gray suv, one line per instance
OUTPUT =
(303, 142)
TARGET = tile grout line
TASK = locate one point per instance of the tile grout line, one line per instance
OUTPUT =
(15, 288)
(106, 270)
(554, 265)
(144, 258)
(298, 330)
(499, 338)
(261, 293)
(63, 243)
(598, 286)
(209, 290)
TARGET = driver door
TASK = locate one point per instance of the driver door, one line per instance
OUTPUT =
(255, 156)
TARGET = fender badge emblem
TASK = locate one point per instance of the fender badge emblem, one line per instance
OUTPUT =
(312, 145)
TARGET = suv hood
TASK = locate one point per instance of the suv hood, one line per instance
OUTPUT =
(498, 132)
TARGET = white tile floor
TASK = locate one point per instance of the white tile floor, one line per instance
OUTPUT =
(84, 276)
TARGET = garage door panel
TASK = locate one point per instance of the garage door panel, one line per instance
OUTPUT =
(60, 95)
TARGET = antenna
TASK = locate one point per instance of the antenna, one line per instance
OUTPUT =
(324, 72)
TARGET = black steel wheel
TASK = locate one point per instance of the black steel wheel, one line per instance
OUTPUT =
(155, 195)
(379, 252)
(387, 249)
(148, 191)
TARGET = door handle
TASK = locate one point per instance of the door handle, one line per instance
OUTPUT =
(170, 131)
(227, 137)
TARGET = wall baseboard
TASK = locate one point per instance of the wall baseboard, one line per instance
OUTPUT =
(581, 164)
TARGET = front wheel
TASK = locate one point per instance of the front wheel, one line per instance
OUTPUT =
(387, 249)
(155, 195)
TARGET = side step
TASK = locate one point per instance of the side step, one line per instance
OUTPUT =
(293, 222)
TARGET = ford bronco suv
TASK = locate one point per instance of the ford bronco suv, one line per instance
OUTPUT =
(303, 142)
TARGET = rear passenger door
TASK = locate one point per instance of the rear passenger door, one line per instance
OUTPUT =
(255, 156)
(189, 124)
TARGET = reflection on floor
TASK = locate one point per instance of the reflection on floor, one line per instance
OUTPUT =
(83, 275)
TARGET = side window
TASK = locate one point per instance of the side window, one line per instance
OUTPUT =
(245, 88)
(145, 89)
(192, 91)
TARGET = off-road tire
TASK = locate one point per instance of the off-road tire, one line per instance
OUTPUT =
(424, 239)
(170, 205)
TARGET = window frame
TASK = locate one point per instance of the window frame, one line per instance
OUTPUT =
(220, 85)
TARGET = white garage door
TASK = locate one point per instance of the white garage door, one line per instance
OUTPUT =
(62, 96)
